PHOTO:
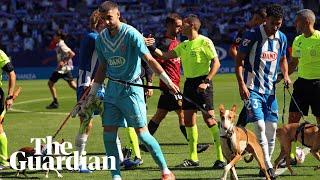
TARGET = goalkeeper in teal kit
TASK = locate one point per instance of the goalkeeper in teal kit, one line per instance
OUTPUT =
(120, 48)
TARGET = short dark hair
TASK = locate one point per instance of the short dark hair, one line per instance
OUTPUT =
(262, 12)
(107, 5)
(61, 34)
(275, 10)
(195, 20)
(172, 17)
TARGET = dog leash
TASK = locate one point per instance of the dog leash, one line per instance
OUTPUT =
(179, 94)
(295, 102)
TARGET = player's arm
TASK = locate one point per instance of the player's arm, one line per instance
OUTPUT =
(8, 68)
(284, 70)
(233, 51)
(292, 66)
(150, 42)
(157, 69)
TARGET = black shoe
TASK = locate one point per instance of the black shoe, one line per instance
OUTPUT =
(261, 173)
(188, 163)
(271, 173)
(143, 148)
(126, 153)
(53, 105)
(283, 164)
(218, 165)
(202, 147)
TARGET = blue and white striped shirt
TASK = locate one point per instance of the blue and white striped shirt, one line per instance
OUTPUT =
(88, 59)
(262, 61)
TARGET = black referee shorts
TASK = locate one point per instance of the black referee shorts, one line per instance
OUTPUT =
(168, 102)
(306, 93)
(203, 99)
(55, 76)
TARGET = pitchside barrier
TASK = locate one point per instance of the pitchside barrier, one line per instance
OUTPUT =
(39, 64)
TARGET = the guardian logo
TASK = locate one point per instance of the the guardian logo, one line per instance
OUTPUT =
(52, 156)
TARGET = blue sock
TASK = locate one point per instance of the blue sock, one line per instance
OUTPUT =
(153, 146)
(111, 147)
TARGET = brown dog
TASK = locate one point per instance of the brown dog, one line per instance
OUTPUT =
(236, 141)
(30, 152)
(307, 134)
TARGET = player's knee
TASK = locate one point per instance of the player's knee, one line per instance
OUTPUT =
(50, 83)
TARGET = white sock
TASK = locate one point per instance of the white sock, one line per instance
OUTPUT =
(121, 158)
(271, 128)
(80, 144)
(260, 131)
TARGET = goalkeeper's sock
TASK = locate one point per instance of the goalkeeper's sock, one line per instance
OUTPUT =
(80, 144)
(3, 149)
(110, 144)
(216, 139)
(184, 131)
(154, 148)
(134, 142)
(192, 133)
(152, 127)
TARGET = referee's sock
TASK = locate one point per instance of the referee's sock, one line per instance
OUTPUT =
(216, 139)
(192, 133)
(152, 127)
(3, 149)
(134, 142)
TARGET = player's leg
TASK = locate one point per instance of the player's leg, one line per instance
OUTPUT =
(134, 111)
(69, 78)
(156, 120)
(315, 102)
(134, 143)
(242, 119)
(3, 137)
(302, 99)
(55, 76)
(112, 119)
(271, 121)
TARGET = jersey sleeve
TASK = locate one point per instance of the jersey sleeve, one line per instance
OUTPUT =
(295, 48)
(178, 49)
(209, 49)
(138, 41)
(87, 48)
(64, 47)
(236, 41)
(284, 46)
(247, 42)
(4, 59)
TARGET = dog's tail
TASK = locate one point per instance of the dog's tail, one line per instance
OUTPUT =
(248, 158)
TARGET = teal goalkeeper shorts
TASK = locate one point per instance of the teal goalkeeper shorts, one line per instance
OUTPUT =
(124, 106)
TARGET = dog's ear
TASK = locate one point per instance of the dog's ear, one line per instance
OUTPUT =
(221, 109)
(234, 108)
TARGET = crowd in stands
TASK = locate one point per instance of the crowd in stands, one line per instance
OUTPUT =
(30, 24)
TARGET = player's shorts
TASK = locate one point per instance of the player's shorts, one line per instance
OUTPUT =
(55, 76)
(204, 99)
(306, 93)
(2, 99)
(262, 107)
(124, 106)
(168, 102)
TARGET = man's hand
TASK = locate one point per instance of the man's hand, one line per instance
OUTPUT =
(287, 81)
(149, 40)
(244, 92)
(148, 92)
(174, 89)
(202, 87)
(9, 103)
(86, 105)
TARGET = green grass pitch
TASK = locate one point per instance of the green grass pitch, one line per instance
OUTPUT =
(30, 119)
